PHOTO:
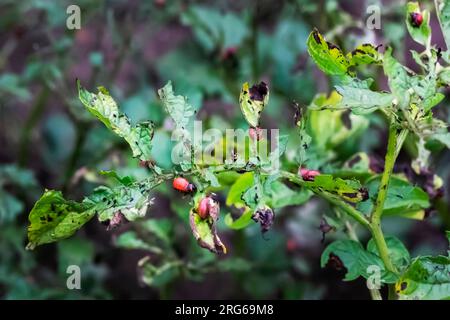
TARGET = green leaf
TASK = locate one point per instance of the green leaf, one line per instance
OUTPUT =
(326, 123)
(158, 275)
(12, 174)
(402, 198)
(240, 223)
(432, 101)
(362, 100)
(177, 107)
(398, 79)
(211, 177)
(444, 76)
(242, 184)
(364, 54)
(253, 196)
(443, 10)
(53, 218)
(161, 228)
(282, 196)
(358, 163)
(10, 83)
(422, 33)
(234, 265)
(397, 252)
(272, 163)
(356, 260)
(130, 240)
(214, 29)
(442, 137)
(103, 106)
(126, 180)
(328, 57)
(427, 278)
(349, 190)
(10, 207)
(75, 251)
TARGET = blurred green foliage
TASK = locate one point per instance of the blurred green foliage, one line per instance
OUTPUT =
(208, 49)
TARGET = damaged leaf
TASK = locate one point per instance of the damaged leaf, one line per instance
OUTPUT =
(177, 107)
(205, 232)
(349, 190)
(328, 57)
(54, 218)
(364, 54)
(252, 101)
(103, 106)
(427, 278)
(356, 260)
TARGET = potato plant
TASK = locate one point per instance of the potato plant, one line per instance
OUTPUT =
(257, 186)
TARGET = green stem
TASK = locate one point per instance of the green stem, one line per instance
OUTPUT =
(375, 218)
(375, 294)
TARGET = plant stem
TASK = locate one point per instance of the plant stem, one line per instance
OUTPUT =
(375, 218)
(375, 294)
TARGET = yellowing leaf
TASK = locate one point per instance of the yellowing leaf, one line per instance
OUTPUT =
(427, 278)
(252, 101)
(328, 57)
(364, 54)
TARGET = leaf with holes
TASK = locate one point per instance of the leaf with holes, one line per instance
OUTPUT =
(54, 218)
(103, 106)
(427, 278)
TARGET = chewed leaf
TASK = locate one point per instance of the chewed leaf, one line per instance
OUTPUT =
(349, 190)
(131, 200)
(103, 106)
(53, 218)
(356, 260)
(205, 232)
(427, 278)
(398, 78)
(177, 107)
(243, 183)
(252, 101)
(328, 57)
(364, 54)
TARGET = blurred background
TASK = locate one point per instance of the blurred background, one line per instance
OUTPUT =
(208, 49)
